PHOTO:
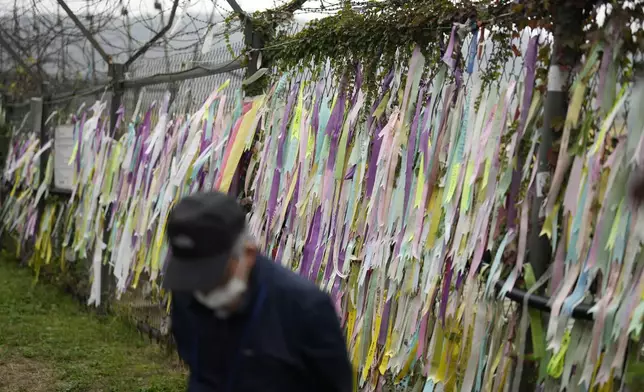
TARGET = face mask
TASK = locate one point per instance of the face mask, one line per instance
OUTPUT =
(223, 297)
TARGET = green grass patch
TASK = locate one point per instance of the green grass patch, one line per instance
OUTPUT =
(48, 342)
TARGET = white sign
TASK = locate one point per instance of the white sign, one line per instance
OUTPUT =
(63, 150)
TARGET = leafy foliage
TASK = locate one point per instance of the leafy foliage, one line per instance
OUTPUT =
(260, 30)
(377, 34)
(373, 36)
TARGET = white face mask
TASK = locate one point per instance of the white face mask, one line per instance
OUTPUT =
(224, 296)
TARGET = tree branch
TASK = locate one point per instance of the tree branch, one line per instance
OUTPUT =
(12, 52)
(7, 46)
(154, 39)
(86, 33)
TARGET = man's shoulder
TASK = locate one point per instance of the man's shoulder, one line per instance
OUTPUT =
(288, 283)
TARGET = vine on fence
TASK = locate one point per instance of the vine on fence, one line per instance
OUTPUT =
(377, 36)
(374, 35)
(264, 26)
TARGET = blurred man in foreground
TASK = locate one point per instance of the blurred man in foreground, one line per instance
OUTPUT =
(241, 321)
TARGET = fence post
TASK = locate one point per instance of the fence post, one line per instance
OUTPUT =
(38, 128)
(36, 122)
(38, 118)
(117, 73)
(568, 37)
(255, 41)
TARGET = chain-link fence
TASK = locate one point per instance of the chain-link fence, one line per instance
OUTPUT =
(187, 92)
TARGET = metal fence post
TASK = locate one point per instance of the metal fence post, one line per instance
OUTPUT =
(566, 53)
(38, 118)
(37, 125)
(117, 72)
(255, 41)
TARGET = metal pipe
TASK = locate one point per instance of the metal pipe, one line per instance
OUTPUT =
(186, 75)
(581, 312)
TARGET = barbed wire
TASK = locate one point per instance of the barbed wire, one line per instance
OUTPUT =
(120, 26)
(123, 26)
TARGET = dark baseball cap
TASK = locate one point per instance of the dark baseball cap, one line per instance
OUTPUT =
(202, 231)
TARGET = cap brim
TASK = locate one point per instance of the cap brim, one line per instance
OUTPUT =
(195, 275)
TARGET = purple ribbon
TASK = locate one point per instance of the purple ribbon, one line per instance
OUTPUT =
(334, 126)
(530, 63)
(376, 143)
(384, 324)
(447, 280)
(315, 271)
(472, 51)
(119, 117)
(448, 57)
(315, 119)
(272, 201)
(459, 280)
(458, 75)
(309, 247)
(350, 173)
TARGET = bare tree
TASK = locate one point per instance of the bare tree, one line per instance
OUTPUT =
(74, 48)
(37, 48)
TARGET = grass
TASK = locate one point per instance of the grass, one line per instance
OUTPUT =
(48, 342)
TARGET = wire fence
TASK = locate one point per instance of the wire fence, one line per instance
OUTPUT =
(187, 93)
(142, 304)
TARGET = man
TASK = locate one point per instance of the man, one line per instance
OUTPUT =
(242, 322)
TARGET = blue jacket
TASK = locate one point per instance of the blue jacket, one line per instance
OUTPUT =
(287, 337)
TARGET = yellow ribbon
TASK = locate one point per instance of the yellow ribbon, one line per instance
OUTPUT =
(374, 337)
(384, 363)
(556, 365)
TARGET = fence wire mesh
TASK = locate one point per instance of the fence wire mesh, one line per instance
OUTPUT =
(139, 305)
(142, 304)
